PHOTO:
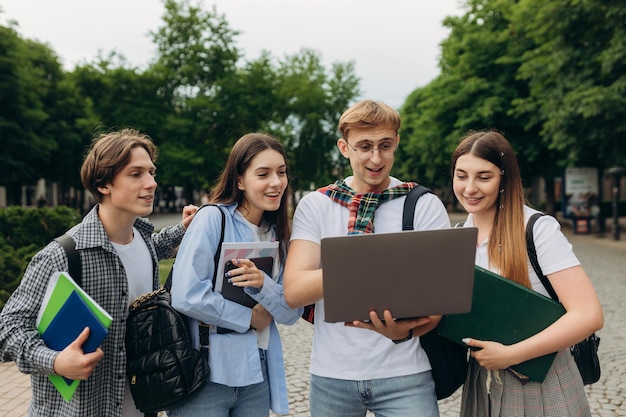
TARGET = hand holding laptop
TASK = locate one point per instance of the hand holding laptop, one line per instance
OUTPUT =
(397, 329)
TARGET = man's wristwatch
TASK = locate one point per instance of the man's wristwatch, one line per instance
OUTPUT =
(409, 337)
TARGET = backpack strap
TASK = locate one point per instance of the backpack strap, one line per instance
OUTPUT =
(409, 205)
(216, 257)
(532, 255)
(203, 328)
(73, 258)
(448, 359)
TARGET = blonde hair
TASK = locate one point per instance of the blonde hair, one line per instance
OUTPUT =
(366, 114)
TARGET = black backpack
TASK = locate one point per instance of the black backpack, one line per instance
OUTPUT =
(162, 364)
(448, 360)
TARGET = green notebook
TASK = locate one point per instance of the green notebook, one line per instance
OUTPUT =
(60, 288)
(505, 312)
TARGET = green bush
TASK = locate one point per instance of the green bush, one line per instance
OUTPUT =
(23, 232)
(35, 226)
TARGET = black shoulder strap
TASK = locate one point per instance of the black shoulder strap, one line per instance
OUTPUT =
(73, 258)
(216, 258)
(409, 205)
(532, 255)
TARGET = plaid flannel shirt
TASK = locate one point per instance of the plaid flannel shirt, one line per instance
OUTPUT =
(104, 279)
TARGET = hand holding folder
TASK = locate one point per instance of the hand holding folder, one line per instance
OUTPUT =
(505, 312)
(68, 324)
(64, 314)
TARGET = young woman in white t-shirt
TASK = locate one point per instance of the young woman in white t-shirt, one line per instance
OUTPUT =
(487, 182)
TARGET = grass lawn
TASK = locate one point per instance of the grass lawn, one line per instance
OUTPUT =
(164, 268)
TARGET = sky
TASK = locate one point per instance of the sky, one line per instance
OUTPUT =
(394, 43)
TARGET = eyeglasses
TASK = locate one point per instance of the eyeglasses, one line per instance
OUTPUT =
(365, 151)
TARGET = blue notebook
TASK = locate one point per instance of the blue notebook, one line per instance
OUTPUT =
(69, 322)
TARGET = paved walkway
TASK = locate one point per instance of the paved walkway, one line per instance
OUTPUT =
(604, 260)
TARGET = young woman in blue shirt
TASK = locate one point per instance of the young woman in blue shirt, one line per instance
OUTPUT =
(247, 376)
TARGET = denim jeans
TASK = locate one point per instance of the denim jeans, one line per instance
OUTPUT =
(402, 396)
(217, 400)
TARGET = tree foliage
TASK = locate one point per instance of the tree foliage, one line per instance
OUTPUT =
(548, 74)
(194, 99)
(41, 113)
(576, 73)
(313, 99)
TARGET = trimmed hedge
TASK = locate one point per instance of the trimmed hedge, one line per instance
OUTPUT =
(23, 232)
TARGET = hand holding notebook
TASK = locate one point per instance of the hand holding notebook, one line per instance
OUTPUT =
(236, 293)
(65, 312)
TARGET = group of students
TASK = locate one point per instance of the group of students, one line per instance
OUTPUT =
(356, 367)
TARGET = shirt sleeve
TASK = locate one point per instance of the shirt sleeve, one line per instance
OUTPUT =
(19, 339)
(306, 225)
(166, 242)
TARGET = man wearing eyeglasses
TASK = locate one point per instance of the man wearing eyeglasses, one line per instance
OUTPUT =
(379, 365)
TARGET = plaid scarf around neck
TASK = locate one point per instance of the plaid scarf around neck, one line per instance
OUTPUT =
(363, 206)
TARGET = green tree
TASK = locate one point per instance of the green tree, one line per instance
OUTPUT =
(121, 95)
(196, 59)
(41, 114)
(313, 99)
(216, 98)
(576, 74)
(475, 90)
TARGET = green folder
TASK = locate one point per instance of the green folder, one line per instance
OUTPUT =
(505, 312)
(60, 288)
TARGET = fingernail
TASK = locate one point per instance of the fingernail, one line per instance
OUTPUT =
(230, 281)
(227, 274)
(465, 340)
(238, 260)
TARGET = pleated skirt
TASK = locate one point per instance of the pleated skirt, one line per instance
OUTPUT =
(561, 394)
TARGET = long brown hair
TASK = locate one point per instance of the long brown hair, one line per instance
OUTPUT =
(507, 241)
(227, 192)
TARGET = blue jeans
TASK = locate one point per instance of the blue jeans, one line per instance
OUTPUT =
(217, 400)
(401, 396)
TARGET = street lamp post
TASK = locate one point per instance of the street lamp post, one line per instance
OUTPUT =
(616, 173)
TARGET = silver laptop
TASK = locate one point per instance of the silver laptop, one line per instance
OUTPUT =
(410, 273)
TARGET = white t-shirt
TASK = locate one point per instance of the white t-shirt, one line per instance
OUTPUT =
(137, 262)
(554, 252)
(261, 233)
(342, 352)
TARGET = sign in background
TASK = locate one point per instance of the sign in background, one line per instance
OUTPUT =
(581, 192)
(580, 197)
